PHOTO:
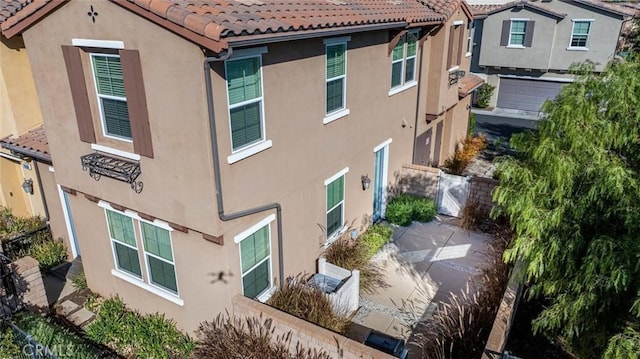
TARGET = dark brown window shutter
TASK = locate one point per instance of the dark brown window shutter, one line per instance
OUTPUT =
(136, 102)
(461, 39)
(452, 31)
(73, 61)
(528, 33)
(504, 37)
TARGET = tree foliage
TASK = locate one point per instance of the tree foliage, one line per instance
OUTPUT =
(572, 194)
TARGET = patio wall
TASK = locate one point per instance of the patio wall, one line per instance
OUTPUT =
(418, 180)
(307, 334)
(29, 283)
(481, 191)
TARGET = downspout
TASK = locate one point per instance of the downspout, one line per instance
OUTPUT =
(42, 196)
(216, 167)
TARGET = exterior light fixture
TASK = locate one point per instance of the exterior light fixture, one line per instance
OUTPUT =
(366, 182)
(27, 185)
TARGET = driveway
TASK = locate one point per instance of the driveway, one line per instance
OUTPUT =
(423, 264)
(500, 124)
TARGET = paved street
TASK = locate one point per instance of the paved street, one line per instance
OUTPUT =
(499, 125)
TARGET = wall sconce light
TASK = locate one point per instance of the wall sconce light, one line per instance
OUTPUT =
(366, 182)
(27, 185)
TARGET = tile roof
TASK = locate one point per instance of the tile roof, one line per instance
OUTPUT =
(13, 11)
(33, 144)
(482, 10)
(221, 20)
(469, 83)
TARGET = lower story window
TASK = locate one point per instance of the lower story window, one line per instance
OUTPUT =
(255, 255)
(156, 246)
(335, 205)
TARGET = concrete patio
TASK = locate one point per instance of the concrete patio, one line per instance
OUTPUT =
(422, 265)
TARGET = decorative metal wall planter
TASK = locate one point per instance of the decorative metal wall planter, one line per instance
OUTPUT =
(455, 76)
(99, 164)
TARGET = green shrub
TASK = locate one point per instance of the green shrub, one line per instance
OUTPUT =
(48, 253)
(132, 334)
(375, 238)
(229, 337)
(79, 281)
(484, 95)
(61, 341)
(350, 255)
(405, 208)
(424, 209)
(8, 346)
(12, 226)
(307, 301)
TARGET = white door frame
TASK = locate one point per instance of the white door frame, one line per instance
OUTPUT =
(385, 172)
(67, 221)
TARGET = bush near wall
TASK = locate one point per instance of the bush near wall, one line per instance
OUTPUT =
(405, 208)
(48, 253)
(12, 226)
(465, 152)
(375, 237)
(135, 335)
(228, 337)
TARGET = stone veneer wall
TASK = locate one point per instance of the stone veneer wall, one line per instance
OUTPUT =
(307, 334)
(481, 191)
(418, 180)
(29, 283)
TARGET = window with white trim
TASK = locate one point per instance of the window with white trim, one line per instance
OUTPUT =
(403, 60)
(580, 33)
(159, 256)
(255, 262)
(336, 77)
(244, 90)
(517, 32)
(123, 243)
(335, 206)
(112, 99)
(156, 245)
(470, 31)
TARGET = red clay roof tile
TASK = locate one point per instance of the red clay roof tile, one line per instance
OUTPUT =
(33, 144)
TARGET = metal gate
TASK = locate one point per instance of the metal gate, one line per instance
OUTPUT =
(9, 301)
(453, 192)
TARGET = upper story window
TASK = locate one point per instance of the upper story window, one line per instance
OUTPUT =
(456, 41)
(470, 31)
(112, 98)
(516, 35)
(246, 103)
(244, 87)
(118, 99)
(403, 61)
(335, 78)
(580, 33)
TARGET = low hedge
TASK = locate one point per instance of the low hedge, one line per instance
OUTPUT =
(375, 238)
(405, 208)
(135, 335)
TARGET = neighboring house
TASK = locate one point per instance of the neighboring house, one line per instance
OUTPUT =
(526, 48)
(27, 183)
(212, 148)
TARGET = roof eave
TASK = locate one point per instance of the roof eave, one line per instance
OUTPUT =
(31, 19)
(39, 156)
(529, 7)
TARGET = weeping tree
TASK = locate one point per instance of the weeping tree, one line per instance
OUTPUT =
(572, 194)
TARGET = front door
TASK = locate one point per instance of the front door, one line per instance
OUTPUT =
(381, 164)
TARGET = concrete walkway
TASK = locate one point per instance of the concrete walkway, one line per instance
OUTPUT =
(423, 264)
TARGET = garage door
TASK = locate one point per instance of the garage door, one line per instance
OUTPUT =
(528, 95)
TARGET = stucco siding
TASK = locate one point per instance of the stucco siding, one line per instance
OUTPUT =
(534, 57)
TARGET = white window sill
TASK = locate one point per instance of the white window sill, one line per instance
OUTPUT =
(264, 296)
(335, 115)
(137, 282)
(249, 151)
(113, 151)
(404, 87)
(515, 47)
(577, 49)
(468, 54)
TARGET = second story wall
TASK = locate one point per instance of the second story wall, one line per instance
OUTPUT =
(179, 172)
